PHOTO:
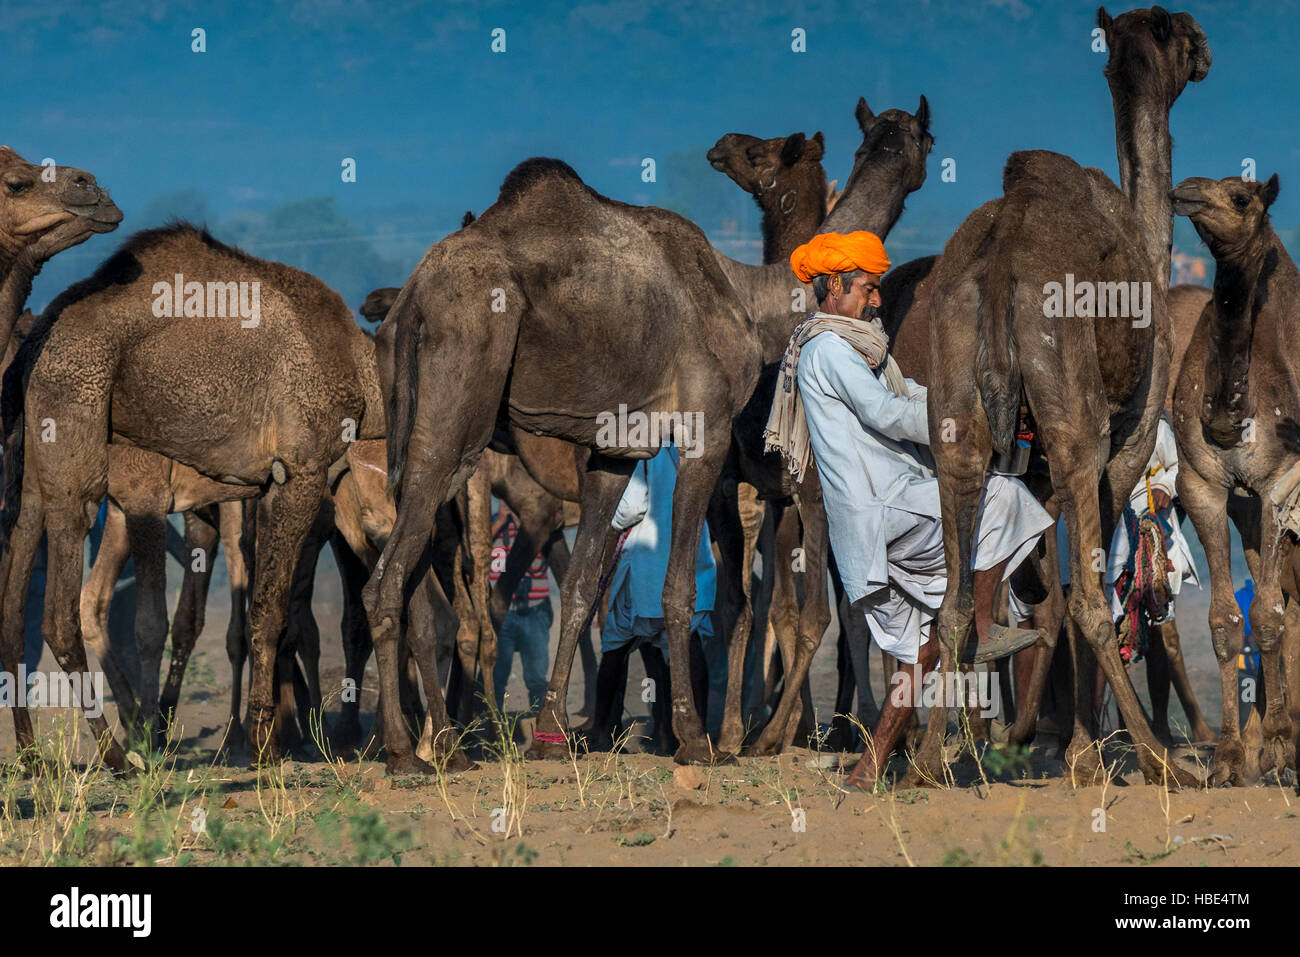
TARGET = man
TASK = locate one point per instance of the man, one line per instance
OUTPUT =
(868, 428)
(636, 616)
(527, 625)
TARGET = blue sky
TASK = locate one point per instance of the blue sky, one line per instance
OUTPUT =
(435, 119)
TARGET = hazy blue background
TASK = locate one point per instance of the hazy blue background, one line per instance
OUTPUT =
(249, 136)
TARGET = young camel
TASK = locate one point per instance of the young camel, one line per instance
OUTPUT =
(1235, 412)
(548, 253)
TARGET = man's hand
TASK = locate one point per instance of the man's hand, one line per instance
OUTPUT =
(1161, 499)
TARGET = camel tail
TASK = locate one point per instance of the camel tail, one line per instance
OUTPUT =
(402, 400)
(997, 365)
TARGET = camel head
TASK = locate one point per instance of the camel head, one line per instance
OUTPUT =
(1229, 214)
(47, 209)
(769, 169)
(1154, 47)
(377, 304)
(894, 138)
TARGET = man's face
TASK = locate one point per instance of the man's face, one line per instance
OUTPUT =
(860, 300)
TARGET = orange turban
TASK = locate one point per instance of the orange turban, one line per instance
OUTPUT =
(839, 252)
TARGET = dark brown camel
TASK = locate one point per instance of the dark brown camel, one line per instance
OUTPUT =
(667, 325)
(786, 179)
(1094, 389)
(1235, 412)
(270, 404)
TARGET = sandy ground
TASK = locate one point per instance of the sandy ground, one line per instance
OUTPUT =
(1013, 808)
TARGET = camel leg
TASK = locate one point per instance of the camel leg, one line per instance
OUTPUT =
(559, 559)
(67, 523)
(438, 742)
(236, 526)
(285, 517)
(814, 616)
(478, 542)
(961, 483)
(1031, 675)
(201, 538)
(1266, 622)
(302, 639)
(96, 600)
(15, 575)
(731, 511)
(346, 732)
(603, 485)
(146, 529)
(1206, 504)
(1198, 727)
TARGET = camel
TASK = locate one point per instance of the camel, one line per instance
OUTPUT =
(1095, 389)
(697, 327)
(43, 211)
(1235, 411)
(269, 405)
(785, 176)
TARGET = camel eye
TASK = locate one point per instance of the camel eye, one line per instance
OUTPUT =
(1241, 202)
(15, 188)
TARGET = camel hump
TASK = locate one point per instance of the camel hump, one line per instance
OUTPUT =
(533, 171)
(1039, 167)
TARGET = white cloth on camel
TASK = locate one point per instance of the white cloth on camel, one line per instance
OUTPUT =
(636, 590)
(882, 498)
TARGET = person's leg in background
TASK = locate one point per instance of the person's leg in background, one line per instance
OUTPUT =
(533, 642)
(507, 644)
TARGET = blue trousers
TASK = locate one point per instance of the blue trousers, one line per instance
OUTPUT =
(526, 631)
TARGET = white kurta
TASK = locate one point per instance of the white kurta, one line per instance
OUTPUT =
(1163, 473)
(636, 589)
(882, 499)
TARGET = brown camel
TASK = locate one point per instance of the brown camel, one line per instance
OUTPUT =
(270, 400)
(1095, 389)
(1235, 412)
(696, 330)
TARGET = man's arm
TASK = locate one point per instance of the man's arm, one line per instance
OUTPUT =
(833, 366)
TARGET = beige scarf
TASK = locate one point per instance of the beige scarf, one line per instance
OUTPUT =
(787, 426)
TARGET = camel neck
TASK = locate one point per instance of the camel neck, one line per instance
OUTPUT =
(791, 217)
(1241, 283)
(1145, 151)
(872, 200)
(14, 290)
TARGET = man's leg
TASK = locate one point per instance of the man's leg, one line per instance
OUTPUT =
(900, 705)
(534, 652)
(506, 645)
(657, 670)
(611, 686)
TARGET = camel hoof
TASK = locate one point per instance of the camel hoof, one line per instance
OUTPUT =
(699, 752)
(1155, 773)
(1083, 763)
(407, 764)
(548, 751)
(459, 761)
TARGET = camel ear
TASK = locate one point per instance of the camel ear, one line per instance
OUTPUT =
(1270, 191)
(792, 149)
(1201, 58)
(815, 148)
(864, 115)
(1162, 26)
(923, 114)
(1103, 20)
